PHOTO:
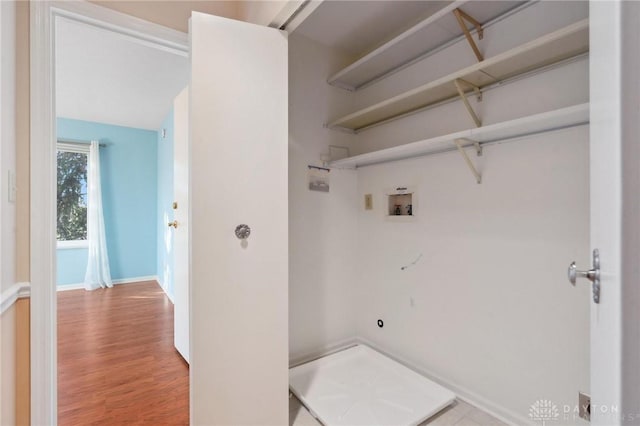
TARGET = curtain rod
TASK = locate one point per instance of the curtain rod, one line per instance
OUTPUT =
(79, 142)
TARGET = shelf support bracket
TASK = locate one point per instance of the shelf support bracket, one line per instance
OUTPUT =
(459, 82)
(461, 17)
(478, 149)
(337, 128)
(473, 169)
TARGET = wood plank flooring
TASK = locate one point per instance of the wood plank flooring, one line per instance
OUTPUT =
(117, 364)
(116, 361)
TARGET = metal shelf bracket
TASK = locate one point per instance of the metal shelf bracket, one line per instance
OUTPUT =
(339, 129)
(458, 83)
(467, 160)
(478, 149)
(461, 17)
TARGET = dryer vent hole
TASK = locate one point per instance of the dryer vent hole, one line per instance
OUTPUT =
(380, 323)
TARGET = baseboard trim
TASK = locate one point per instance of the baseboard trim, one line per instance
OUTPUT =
(166, 290)
(13, 293)
(325, 350)
(133, 280)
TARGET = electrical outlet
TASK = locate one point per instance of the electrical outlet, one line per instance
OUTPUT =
(368, 202)
(584, 406)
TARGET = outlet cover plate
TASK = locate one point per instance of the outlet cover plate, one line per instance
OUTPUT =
(368, 202)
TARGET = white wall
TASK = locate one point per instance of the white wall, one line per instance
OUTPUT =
(322, 227)
(7, 143)
(488, 309)
(493, 315)
(7, 209)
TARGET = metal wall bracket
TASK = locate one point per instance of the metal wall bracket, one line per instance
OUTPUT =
(461, 17)
(339, 129)
(458, 83)
(478, 148)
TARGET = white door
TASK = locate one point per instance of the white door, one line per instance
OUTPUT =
(615, 217)
(181, 217)
(239, 288)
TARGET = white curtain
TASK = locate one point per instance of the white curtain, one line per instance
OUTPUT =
(97, 274)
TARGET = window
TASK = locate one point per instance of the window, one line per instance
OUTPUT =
(72, 195)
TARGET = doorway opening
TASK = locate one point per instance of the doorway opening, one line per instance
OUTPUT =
(115, 228)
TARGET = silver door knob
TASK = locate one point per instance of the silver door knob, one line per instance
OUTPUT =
(592, 275)
(243, 231)
(574, 273)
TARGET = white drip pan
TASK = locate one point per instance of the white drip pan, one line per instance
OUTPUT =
(359, 386)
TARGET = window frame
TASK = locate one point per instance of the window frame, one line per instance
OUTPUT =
(78, 148)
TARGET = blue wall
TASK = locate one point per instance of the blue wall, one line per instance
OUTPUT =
(165, 208)
(129, 173)
(72, 264)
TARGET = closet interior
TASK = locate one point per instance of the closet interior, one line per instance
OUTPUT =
(455, 141)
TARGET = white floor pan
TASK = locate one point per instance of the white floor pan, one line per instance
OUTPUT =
(359, 386)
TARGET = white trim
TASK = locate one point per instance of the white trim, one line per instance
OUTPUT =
(72, 244)
(78, 149)
(164, 288)
(42, 218)
(43, 167)
(322, 351)
(301, 14)
(137, 29)
(73, 147)
(13, 293)
(134, 280)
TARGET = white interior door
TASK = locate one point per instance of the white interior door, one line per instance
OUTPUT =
(615, 210)
(239, 288)
(181, 217)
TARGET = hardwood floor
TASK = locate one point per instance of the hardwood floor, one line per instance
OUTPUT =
(116, 361)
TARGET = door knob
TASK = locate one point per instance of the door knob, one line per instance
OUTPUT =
(243, 231)
(574, 273)
(174, 223)
(592, 275)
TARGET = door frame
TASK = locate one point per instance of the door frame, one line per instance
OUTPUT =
(615, 207)
(42, 195)
(42, 174)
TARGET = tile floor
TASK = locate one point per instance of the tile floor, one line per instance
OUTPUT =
(459, 414)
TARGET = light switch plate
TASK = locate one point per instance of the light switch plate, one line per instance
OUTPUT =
(12, 186)
(368, 202)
